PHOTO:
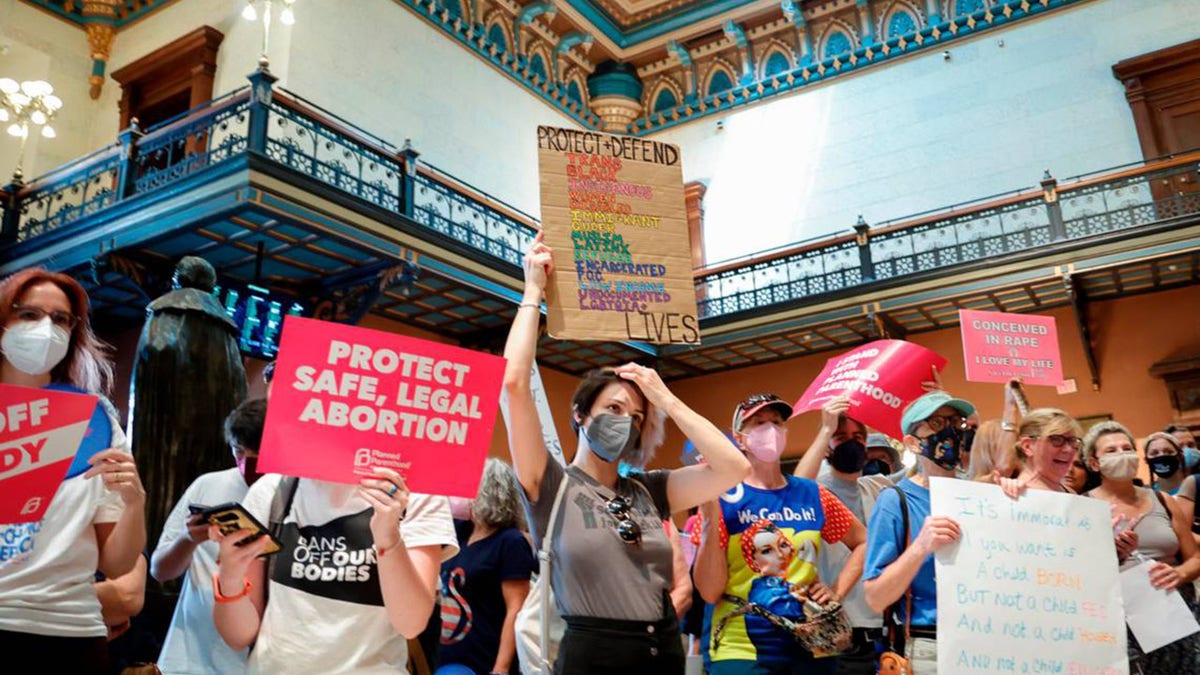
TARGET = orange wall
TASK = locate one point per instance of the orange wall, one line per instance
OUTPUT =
(1129, 335)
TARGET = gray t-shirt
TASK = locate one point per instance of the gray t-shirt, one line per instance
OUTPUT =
(592, 571)
(834, 556)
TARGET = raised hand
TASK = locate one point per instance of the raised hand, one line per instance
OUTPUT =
(538, 263)
(833, 410)
(649, 382)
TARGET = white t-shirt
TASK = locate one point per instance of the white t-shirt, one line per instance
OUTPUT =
(325, 610)
(47, 568)
(193, 646)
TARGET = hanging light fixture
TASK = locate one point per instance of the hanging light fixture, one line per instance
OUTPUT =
(31, 103)
(287, 17)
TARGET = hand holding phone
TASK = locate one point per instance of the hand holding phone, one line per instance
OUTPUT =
(233, 517)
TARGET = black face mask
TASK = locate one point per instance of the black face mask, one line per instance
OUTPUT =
(1164, 465)
(944, 448)
(848, 456)
(876, 467)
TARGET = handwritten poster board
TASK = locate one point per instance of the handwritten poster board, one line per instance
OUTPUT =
(880, 377)
(613, 212)
(998, 347)
(348, 399)
(1032, 586)
(40, 432)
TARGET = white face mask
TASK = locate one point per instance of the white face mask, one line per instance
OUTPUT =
(1119, 465)
(35, 347)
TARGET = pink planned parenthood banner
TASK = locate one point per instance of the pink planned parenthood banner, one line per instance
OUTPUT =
(998, 347)
(346, 399)
(880, 377)
(40, 431)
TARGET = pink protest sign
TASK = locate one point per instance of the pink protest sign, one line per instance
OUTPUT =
(346, 399)
(880, 378)
(998, 347)
(40, 431)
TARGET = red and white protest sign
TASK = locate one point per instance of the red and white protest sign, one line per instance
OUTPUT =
(40, 430)
(998, 347)
(346, 399)
(880, 377)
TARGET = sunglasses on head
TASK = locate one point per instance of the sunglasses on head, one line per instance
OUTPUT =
(756, 400)
(627, 528)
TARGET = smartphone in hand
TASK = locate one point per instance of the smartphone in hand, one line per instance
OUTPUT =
(231, 517)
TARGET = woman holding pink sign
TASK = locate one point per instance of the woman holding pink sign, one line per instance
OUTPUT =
(48, 606)
(612, 569)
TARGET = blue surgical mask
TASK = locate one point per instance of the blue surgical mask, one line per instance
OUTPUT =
(1191, 458)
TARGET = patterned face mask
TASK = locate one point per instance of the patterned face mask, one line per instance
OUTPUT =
(944, 447)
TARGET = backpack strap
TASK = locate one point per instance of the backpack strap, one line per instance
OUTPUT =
(544, 556)
(281, 506)
(889, 616)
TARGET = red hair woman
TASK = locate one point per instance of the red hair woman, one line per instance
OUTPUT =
(48, 606)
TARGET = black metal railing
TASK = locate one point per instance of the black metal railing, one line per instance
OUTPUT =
(285, 130)
(1068, 211)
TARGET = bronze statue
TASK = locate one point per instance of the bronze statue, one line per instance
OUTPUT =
(188, 375)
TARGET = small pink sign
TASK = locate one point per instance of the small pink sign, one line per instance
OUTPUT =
(40, 430)
(880, 377)
(998, 347)
(346, 399)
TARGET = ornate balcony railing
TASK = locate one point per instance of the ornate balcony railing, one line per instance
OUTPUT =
(285, 130)
(992, 229)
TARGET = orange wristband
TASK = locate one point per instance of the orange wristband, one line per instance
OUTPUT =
(228, 598)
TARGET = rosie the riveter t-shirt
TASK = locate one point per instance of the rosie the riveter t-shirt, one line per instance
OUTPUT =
(772, 541)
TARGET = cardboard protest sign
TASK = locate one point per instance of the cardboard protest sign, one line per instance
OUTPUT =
(40, 431)
(880, 377)
(613, 212)
(998, 347)
(348, 399)
(1032, 585)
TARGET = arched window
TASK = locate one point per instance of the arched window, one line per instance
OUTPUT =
(719, 82)
(537, 68)
(496, 36)
(837, 45)
(777, 63)
(665, 100)
(962, 7)
(901, 23)
(574, 93)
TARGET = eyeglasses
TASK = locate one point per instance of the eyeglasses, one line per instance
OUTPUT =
(1059, 440)
(30, 313)
(939, 422)
(627, 528)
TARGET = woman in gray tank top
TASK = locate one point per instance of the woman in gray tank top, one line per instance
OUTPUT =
(1150, 527)
(612, 562)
